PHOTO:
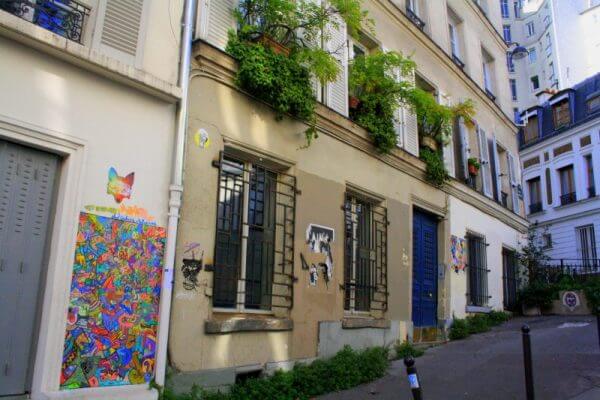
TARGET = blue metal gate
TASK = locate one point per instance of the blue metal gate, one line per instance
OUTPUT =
(424, 291)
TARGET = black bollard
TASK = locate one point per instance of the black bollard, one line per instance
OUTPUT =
(413, 378)
(527, 361)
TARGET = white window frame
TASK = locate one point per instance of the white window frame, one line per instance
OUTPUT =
(586, 242)
(530, 29)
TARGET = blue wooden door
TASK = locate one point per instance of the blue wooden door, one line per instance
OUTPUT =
(424, 290)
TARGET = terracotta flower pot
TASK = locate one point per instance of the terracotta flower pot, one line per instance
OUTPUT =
(274, 45)
(353, 102)
(473, 170)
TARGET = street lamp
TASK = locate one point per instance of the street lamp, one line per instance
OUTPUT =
(518, 52)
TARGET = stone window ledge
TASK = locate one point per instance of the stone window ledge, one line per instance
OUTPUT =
(478, 309)
(358, 323)
(247, 324)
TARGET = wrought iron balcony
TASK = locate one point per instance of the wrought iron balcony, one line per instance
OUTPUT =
(535, 207)
(592, 191)
(568, 198)
(63, 17)
(458, 61)
(415, 18)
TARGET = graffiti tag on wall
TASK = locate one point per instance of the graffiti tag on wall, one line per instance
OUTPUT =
(113, 311)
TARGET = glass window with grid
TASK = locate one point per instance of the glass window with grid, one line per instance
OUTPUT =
(254, 238)
(478, 271)
(365, 258)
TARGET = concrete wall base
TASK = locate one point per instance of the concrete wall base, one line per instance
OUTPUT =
(333, 337)
(129, 392)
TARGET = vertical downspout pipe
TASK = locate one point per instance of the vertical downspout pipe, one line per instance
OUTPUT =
(175, 191)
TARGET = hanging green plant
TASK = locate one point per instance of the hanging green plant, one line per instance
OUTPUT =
(435, 171)
(279, 49)
(377, 92)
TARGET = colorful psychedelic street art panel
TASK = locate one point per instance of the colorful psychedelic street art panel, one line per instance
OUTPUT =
(113, 313)
(457, 251)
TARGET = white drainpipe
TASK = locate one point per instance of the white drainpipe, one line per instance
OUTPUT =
(175, 191)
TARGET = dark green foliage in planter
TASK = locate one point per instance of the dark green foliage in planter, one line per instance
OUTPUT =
(347, 369)
(498, 317)
(435, 170)
(538, 294)
(591, 289)
(478, 323)
(459, 329)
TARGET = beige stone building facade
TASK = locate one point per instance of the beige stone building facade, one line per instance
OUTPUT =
(288, 253)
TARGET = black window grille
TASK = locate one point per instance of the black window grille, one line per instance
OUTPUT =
(478, 271)
(365, 261)
(254, 249)
(63, 17)
(510, 279)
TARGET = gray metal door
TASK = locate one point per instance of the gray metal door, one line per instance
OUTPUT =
(26, 187)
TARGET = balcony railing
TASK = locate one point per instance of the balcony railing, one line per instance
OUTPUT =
(458, 61)
(504, 199)
(63, 17)
(415, 18)
(535, 207)
(568, 198)
(592, 191)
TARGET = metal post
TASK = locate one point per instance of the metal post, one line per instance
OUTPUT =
(413, 378)
(598, 324)
(527, 361)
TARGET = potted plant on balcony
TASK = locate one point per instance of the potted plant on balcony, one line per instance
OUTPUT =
(474, 165)
(276, 47)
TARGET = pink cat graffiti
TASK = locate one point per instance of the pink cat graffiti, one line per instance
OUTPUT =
(120, 187)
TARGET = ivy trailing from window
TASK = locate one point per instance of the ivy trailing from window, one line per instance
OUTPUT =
(435, 171)
(279, 48)
(374, 82)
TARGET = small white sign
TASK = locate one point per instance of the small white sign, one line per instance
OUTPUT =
(413, 381)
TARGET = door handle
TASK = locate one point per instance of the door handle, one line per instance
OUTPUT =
(431, 294)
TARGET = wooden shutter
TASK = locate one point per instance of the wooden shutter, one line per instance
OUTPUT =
(121, 29)
(512, 176)
(486, 177)
(448, 150)
(215, 20)
(337, 44)
(411, 130)
(497, 172)
(464, 146)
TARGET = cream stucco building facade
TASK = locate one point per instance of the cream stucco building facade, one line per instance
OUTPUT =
(87, 122)
(287, 253)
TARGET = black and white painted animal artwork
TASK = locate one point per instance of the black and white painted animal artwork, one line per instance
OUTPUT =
(319, 238)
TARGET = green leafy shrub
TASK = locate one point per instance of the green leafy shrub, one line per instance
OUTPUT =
(478, 323)
(459, 329)
(347, 369)
(406, 349)
(591, 288)
(497, 317)
(435, 170)
(538, 294)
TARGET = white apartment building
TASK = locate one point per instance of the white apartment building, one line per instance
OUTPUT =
(560, 156)
(563, 41)
(87, 132)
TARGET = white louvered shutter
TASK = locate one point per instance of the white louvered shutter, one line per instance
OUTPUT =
(486, 177)
(514, 186)
(464, 146)
(120, 29)
(215, 19)
(316, 85)
(411, 130)
(337, 44)
(448, 150)
(497, 178)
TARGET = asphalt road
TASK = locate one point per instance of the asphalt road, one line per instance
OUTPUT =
(489, 366)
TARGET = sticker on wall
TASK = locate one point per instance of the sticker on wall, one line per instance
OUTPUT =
(570, 300)
(113, 312)
(319, 238)
(457, 253)
(119, 187)
(191, 266)
(201, 138)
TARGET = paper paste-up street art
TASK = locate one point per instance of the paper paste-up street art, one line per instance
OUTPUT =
(118, 186)
(113, 312)
(570, 300)
(319, 239)
(457, 252)
(201, 139)
(191, 266)
(124, 213)
(314, 275)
